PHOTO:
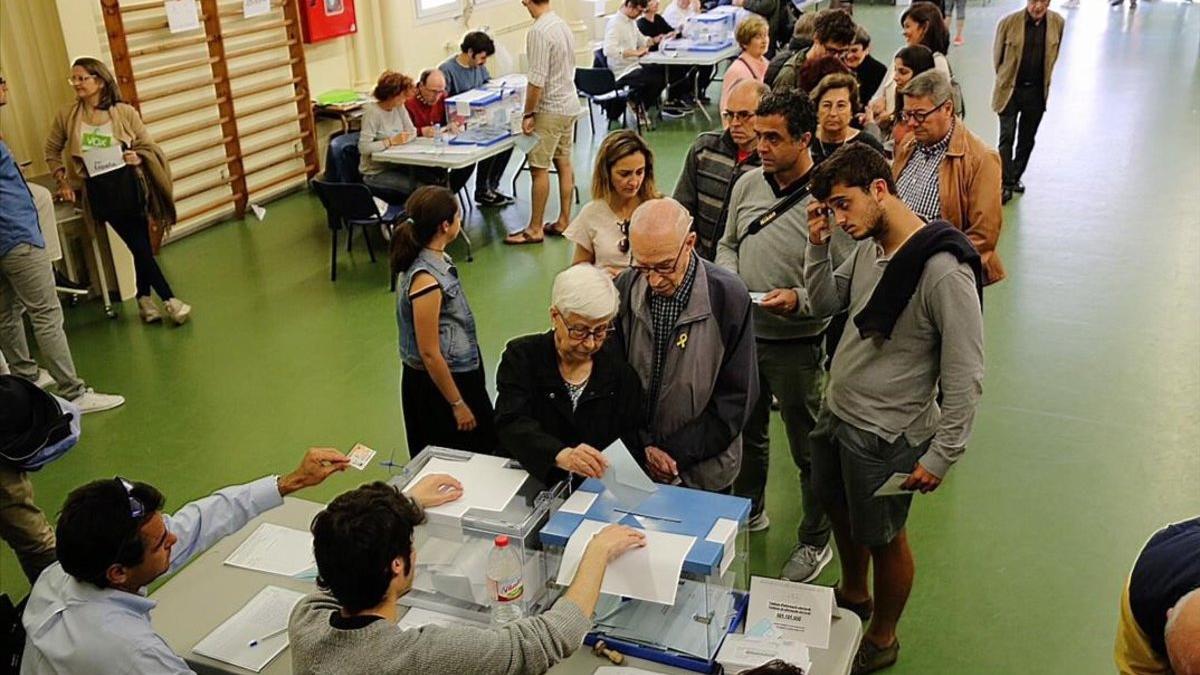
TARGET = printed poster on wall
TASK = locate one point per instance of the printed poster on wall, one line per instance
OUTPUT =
(182, 15)
(253, 8)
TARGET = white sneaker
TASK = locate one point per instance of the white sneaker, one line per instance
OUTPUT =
(44, 379)
(806, 562)
(148, 310)
(178, 310)
(759, 522)
(91, 401)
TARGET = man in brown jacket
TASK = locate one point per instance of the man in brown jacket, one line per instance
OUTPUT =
(1026, 48)
(945, 171)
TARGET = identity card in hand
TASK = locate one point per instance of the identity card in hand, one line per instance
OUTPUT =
(360, 456)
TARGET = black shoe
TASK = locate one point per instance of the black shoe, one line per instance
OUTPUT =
(1116, 3)
(489, 199)
(1018, 187)
(864, 610)
(504, 199)
(1005, 195)
(61, 281)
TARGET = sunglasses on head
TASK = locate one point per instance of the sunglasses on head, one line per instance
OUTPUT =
(136, 509)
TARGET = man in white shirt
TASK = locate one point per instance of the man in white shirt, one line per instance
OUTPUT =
(88, 612)
(624, 46)
(551, 106)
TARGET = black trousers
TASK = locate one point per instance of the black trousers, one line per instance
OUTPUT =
(135, 232)
(491, 170)
(645, 84)
(1019, 122)
(429, 419)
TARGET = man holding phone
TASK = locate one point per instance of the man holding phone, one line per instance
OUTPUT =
(913, 293)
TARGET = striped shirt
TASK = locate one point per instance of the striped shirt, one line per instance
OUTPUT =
(918, 185)
(551, 50)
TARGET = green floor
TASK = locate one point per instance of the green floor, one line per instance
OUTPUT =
(1088, 437)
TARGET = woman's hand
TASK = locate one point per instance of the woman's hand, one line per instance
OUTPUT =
(582, 459)
(400, 138)
(463, 417)
(132, 158)
(65, 191)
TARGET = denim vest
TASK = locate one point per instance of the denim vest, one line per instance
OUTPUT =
(456, 323)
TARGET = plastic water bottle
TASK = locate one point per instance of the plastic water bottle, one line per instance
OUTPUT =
(439, 138)
(504, 581)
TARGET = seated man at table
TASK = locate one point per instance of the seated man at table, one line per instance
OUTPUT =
(88, 612)
(427, 109)
(563, 396)
(465, 71)
(363, 543)
(685, 327)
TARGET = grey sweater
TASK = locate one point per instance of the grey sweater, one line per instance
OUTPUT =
(530, 645)
(377, 126)
(774, 257)
(889, 387)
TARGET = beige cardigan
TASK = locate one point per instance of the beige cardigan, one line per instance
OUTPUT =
(154, 171)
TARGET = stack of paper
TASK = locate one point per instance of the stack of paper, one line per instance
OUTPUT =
(276, 550)
(487, 485)
(256, 634)
(624, 478)
(648, 573)
(416, 617)
(740, 652)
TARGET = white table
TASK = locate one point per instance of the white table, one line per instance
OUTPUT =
(206, 592)
(423, 152)
(692, 59)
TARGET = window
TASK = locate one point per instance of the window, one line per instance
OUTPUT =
(427, 9)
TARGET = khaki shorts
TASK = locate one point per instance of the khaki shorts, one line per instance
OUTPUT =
(555, 134)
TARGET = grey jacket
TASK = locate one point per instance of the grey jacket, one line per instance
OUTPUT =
(710, 377)
(709, 173)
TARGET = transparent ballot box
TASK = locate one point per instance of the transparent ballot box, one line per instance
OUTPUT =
(486, 115)
(710, 592)
(710, 30)
(453, 544)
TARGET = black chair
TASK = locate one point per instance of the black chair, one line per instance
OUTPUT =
(599, 86)
(348, 205)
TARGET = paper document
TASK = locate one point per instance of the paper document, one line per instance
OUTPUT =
(263, 616)
(99, 161)
(891, 486)
(417, 617)
(724, 532)
(579, 502)
(486, 485)
(182, 15)
(757, 298)
(648, 573)
(526, 142)
(253, 8)
(791, 611)
(624, 478)
(740, 652)
(275, 550)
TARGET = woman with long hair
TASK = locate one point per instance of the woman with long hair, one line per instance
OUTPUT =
(121, 175)
(910, 62)
(922, 24)
(622, 179)
(443, 393)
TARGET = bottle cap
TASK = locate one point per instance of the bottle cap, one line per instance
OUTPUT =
(501, 541)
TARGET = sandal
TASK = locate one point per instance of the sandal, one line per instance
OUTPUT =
(550, 229)
(521, 238)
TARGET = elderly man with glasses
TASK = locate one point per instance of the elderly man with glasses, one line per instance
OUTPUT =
(945, 171)
(715, 162)
(685, 327)
(88, 612)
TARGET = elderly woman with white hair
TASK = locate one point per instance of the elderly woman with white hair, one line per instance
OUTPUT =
(563, 396)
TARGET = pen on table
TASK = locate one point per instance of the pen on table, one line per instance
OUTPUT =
(268, 636)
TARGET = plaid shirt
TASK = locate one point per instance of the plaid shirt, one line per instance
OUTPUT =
(664, 312)
(918, 184)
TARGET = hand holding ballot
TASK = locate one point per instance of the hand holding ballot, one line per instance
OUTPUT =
(317, 465)
(780, 301)
(436, 489)
(922, 480)
(582, 459)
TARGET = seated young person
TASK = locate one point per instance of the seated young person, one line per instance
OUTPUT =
(563, 397)
(363, 543)
(88, 612)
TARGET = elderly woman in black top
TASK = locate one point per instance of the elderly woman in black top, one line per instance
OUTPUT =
(562, 395)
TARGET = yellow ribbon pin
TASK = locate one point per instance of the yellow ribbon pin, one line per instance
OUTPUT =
(682, 341)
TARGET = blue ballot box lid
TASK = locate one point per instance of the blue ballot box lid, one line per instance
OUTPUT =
(673, 509)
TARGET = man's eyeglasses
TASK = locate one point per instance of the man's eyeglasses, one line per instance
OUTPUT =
(919, 116)
(664, 268)
(739, 115)
(136, 509)
(581, 333)
(623, 244)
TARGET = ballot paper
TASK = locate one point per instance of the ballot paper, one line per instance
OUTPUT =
(417, 617)
(670, 627)
(182, 15)
(741, 652)
(526, 142)
(624, 478)
(648, 573)
(791, 611)
(253, 8)
(757, 298)
(724, 532)
(579, 502)
(275, 550)
(486, 484)
(101, 160)
(263, 616)
(891, 486)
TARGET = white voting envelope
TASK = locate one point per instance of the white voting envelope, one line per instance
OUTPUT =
(648, 573)
(624, 478)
